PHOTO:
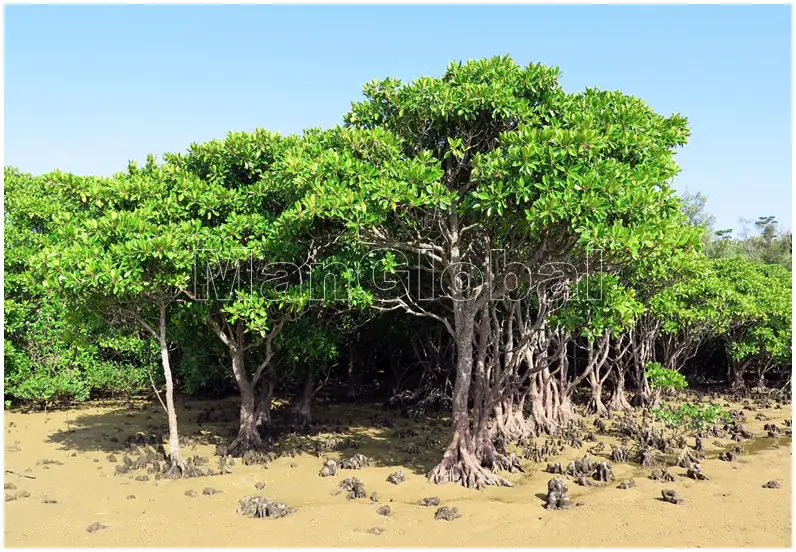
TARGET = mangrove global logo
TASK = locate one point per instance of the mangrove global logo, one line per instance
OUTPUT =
(391, 276)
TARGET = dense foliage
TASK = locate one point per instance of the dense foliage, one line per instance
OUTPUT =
(483, 243)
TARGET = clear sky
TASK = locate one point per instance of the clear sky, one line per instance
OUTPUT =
(88, 88)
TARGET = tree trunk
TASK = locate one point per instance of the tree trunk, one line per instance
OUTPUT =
(489, 456)
(459, 463)
(551, 409)
(596, 405)
(735, 375)
(510, 422)
(302, 410)
(248, 437)
(263, 413)
(618, 400)
(353, 373)
(178, 468)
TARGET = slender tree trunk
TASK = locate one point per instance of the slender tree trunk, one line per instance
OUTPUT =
(178, 467)
(540, 419)
(263, 412)
(353, 372)
(596, 404)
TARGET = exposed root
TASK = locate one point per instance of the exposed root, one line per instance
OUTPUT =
(356, 462)
(512, 425)
(494, 459)
(246, 442)
(618, 401)
(596, 406)
(329, 468)
(447, 514)
(396, 478)
(686, 458)
(460, 465)
(627, 484)
(178, 469)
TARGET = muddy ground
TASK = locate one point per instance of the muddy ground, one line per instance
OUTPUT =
(75, 487)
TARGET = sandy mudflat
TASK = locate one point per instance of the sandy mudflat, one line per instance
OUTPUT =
(730, 510)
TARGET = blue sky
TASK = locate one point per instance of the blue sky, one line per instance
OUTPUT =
(89, 87)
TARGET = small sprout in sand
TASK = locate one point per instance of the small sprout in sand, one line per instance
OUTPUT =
(557, 498)
(355, 488)
(662, 475)
(627, 484)
(263, 507)
(728, 456)
(671, 496)
(329, 468)
(96, 526)
(396, 478)
(555, 468)
(356, 462)
(603, 472)
(695, 472)
(447, 514)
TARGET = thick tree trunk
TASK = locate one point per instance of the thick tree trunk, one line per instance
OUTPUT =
(302, 411)
(735, 375)
(459, 463)
(618, 400)
(490, 457)
(248, 437)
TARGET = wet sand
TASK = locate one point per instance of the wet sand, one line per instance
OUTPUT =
(730, 510)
